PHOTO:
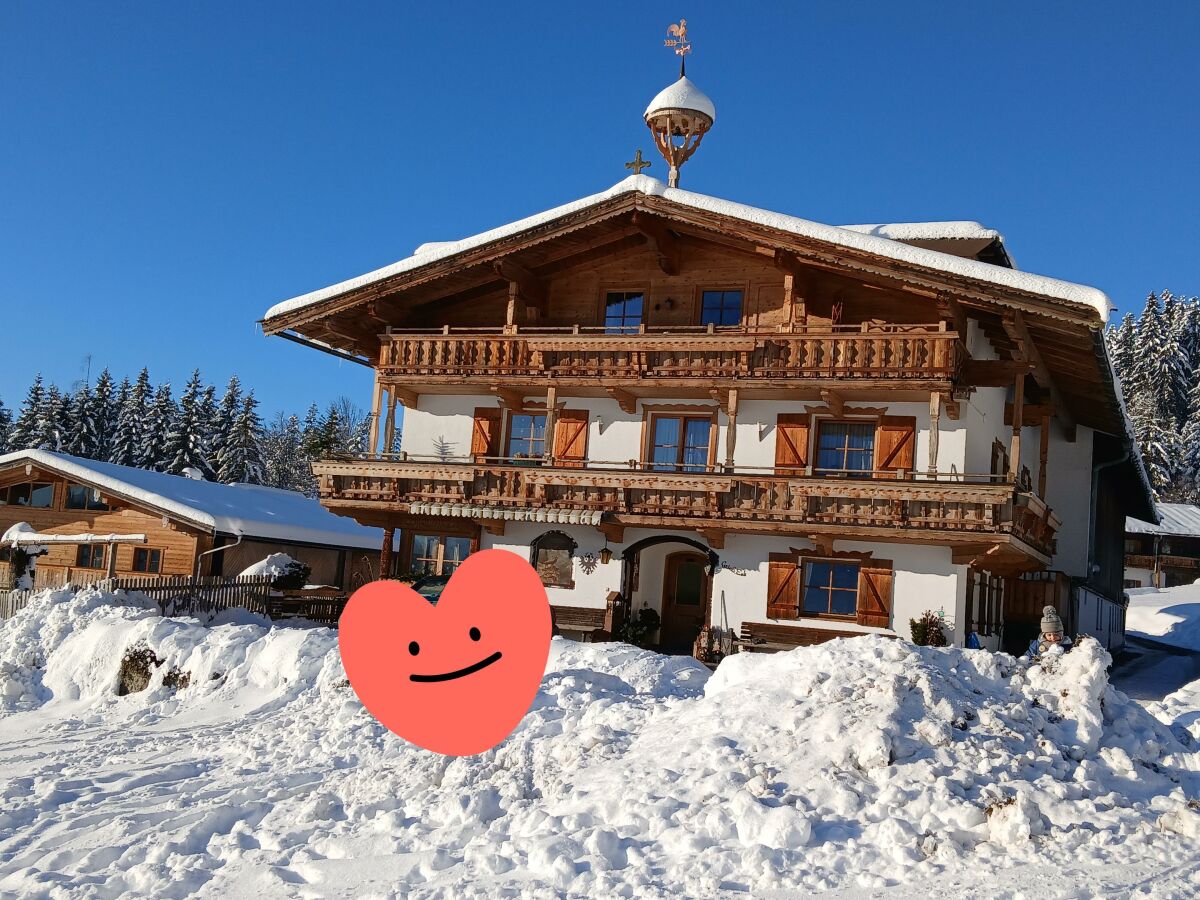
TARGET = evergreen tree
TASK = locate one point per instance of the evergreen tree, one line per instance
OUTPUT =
(311, 432)
(5, 426)
(160, 422)
(59, 421)
(132, 418)
(1189, 463)
(1122, 348)
(241, 453)
(285, 462)
(184, 446)
(119, 400)
(223, 419)
(79, 431)
(24, 432)
(103, 413)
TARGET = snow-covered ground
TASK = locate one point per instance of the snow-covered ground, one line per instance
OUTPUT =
(1167, 615)
(848, 767)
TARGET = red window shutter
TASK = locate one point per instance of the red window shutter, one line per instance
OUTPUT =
(791, 441)
(485, 437)
(570, 437)
(894, 443)
(783, 587)
(875, 579)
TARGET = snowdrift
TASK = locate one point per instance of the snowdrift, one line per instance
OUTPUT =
(850, 765)
(1167, 615)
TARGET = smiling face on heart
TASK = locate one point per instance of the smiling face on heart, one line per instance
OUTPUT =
(455, 678)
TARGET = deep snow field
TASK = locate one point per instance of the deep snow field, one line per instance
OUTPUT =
(1167, 615)
(855, 767)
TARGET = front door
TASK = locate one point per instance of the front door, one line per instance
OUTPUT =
(685, 590)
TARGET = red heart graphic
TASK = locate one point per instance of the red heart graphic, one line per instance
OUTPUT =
(455, 678)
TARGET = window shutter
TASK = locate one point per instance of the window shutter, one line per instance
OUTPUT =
(485, 436)
(875, 593)
(783, 587)
(791, 441)
(894, 443)
(570, 438)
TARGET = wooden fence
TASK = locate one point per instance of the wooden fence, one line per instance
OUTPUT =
(182, 595)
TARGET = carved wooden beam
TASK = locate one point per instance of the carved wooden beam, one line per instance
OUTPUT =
(837, 404)
(1032, 413)
(509, 399)
(1018, 333)
(661, 241)
(625, 400)
(405, 396)
(714, 537)
(493, 526)
(532, 288)
(613, 531)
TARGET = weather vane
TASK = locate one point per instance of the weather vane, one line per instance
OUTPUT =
(677, 38)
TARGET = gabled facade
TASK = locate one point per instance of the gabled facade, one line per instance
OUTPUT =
(780, 431)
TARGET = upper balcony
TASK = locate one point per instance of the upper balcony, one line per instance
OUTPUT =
(916, 356)
(964, 511)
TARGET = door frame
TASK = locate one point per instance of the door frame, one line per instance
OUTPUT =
(670, 567)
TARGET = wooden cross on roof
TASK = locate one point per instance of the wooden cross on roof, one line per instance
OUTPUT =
(637, 163)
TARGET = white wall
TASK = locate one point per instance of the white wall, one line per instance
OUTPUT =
(449, 416)
(1069, 494)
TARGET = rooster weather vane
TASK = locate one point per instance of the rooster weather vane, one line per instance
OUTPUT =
(677, 38)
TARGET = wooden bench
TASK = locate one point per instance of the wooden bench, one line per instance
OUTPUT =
(584, 619)
(764, 637)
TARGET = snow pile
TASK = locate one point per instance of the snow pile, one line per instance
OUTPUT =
(274, 565)
(1167, 615)
(850, 765)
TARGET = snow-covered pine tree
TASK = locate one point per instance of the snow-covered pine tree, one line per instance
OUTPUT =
(184, 446)
(132, 420)
(1188, 475)
(160, 421)
(1121, 349)
(79, 437)
(241, 457)
(207, 417)
(104, 415)
(120, 398)
(59, 422)
(24, 432)
(5, 427)
(311, 432)
(227, 412)
(1151, 370)
(1158, 444)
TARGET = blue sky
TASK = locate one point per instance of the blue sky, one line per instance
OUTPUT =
(170, 170)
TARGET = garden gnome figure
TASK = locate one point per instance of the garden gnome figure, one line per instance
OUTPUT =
(1051, 635)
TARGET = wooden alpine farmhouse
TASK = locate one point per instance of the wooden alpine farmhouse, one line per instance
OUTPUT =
(108, 520)
(769, 430)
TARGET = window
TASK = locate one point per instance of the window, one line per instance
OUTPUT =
(721, 308)
(830, 588)
(438, 554)
(81, 497)
(147, 560)
(845, 447)
(1132, 545)
(551, 557)
(90, 556)
(623, 311)
(526, 436)
(37, 495)
(680, 443)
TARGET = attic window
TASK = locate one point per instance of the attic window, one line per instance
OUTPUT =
(36, 495)
(82, 497)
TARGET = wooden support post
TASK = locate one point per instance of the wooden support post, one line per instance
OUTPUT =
(385, 553)
(789, 297)
(1014, 451)
(389, 428)
(376, 409)
(1043, 456)
(111, 560)
(935, 416)
(731, 409)
(514, 299)
(551, 412)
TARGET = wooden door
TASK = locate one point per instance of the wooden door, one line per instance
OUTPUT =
(685, 595)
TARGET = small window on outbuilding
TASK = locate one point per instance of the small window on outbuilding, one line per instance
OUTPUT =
(551, 555)
(147, 559)
(81, 497)
(90, 556)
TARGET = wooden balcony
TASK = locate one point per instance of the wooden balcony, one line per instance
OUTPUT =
(1146, 561)
(960, 510)
(879, 353)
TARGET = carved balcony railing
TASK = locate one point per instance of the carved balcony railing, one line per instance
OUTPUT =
(738, 500)
(879, 352)
(1146, 561)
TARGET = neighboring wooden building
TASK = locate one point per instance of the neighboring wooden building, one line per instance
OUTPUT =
(192, 527)
(1166, 554)
(764, 420)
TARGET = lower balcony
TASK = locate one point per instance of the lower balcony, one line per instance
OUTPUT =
(973, 513)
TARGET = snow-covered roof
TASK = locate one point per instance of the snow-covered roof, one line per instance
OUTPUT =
(683, 94)
(928, 231)
(1077, 294)
(252, 510)
(1182, 519)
